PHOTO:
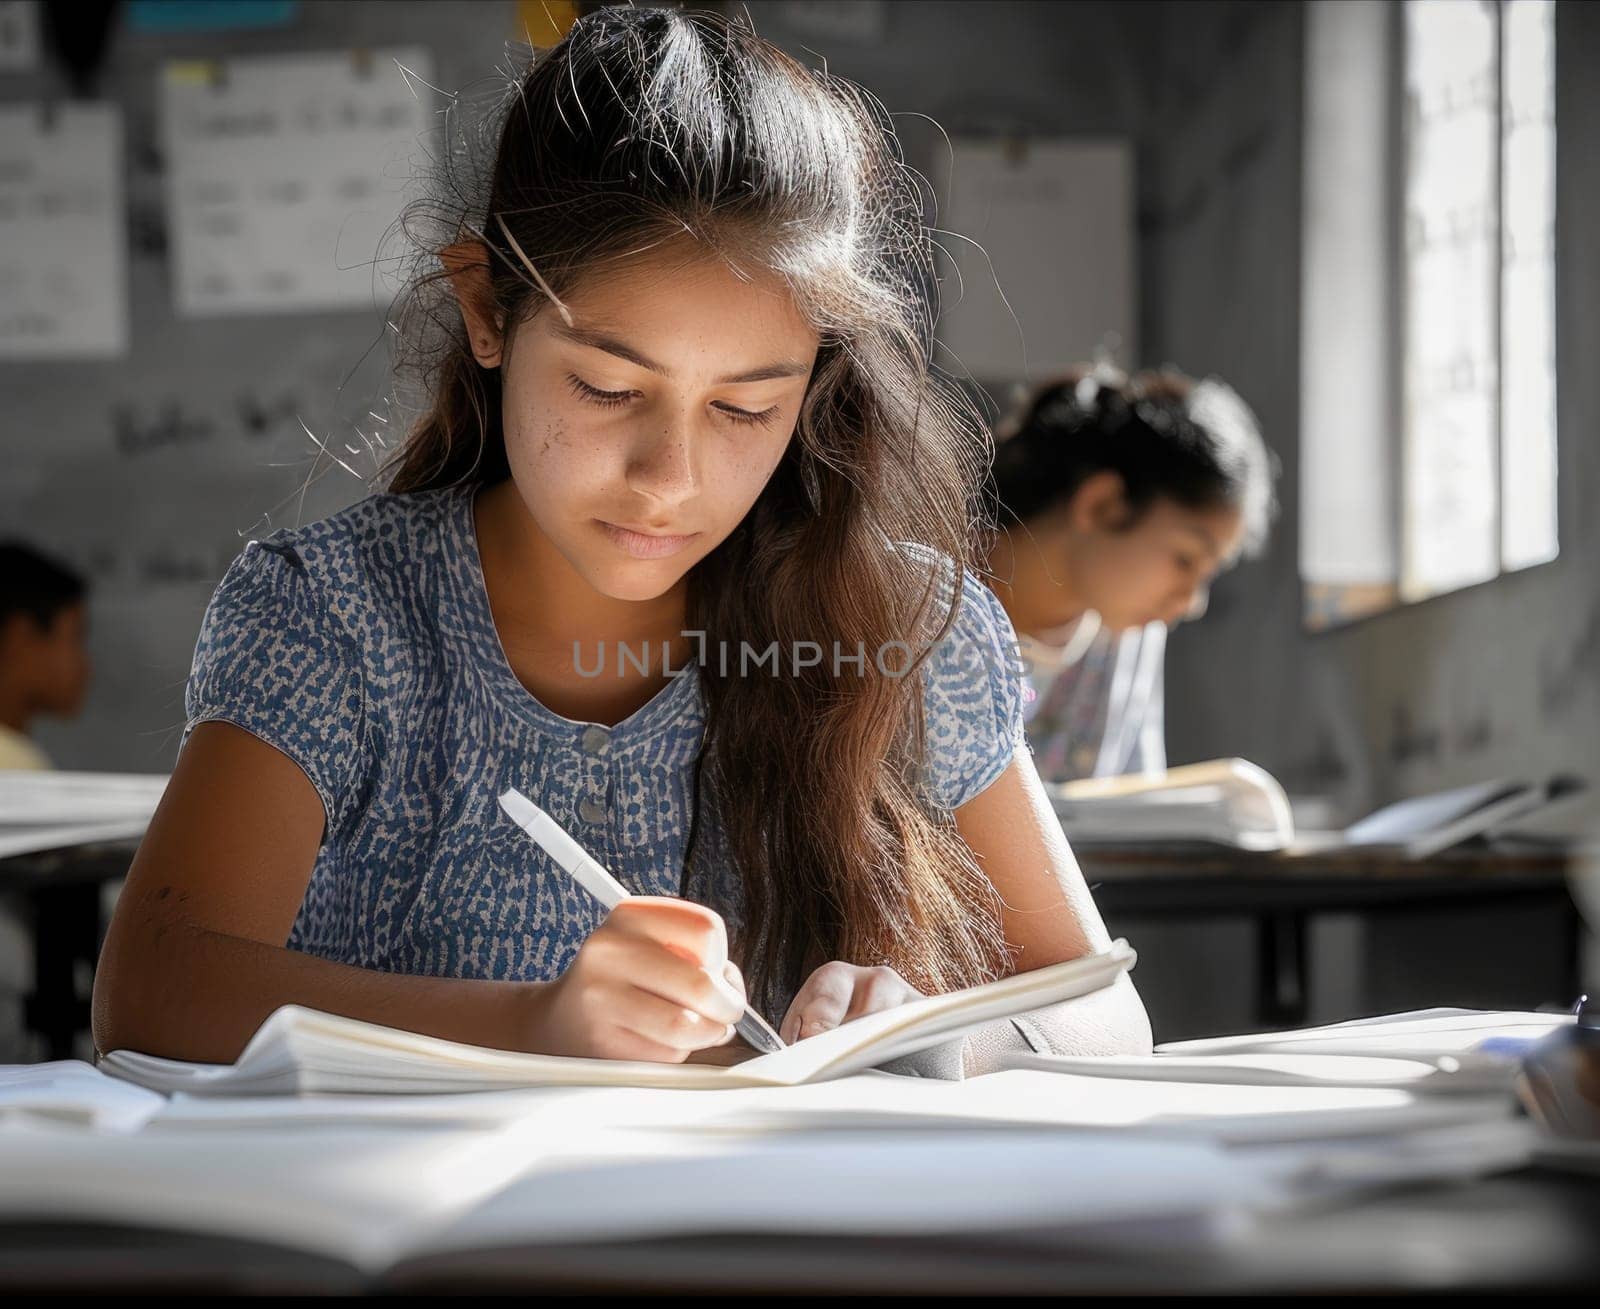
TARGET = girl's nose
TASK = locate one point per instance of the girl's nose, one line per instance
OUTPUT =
(1198, 603)
(663, 467)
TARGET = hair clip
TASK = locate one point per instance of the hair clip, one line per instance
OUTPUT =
(566, 314)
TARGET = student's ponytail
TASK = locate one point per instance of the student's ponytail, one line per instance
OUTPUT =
(1164, 433)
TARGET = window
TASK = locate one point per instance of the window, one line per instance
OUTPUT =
(1428, 396)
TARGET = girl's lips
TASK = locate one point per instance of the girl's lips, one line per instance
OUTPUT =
(643, 546)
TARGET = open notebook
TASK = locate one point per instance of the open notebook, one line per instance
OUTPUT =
(1230, 802)
(302, 1051)
(1235, 803)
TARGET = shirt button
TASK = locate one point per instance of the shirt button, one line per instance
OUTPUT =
(595, 740)
(591, 811)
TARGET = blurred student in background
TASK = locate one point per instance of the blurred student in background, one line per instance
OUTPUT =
(1121, 499)
(44, 658)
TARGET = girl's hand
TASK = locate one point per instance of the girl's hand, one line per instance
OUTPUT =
(653, 982)
(838, 992)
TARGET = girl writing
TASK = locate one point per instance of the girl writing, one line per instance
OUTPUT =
(682, 407)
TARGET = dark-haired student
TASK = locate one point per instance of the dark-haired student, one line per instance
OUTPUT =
(1121, 500)
(677, 396)
(44, 658)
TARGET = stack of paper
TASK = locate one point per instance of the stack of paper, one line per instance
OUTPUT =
(375, 1179)
(1464, 1034)
(380, 1180)
(1444, 1074)
(1430, 1053)
(1018, 1099)
(49, 810)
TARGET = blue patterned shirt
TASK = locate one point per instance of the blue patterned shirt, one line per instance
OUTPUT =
(362, 647)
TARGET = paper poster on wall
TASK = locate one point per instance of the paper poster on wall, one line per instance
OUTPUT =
(1054, 278)
(19, 36)
(286, 174)
(63, 248)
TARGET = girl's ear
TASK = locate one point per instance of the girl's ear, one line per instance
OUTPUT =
(1101, 503)
(467, 263)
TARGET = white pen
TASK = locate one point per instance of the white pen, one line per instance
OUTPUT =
(582, 867)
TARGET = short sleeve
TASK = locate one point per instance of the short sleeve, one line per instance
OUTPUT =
(271, 659)
(974, 700)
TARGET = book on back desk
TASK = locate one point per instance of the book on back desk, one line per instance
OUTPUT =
(1239, 805)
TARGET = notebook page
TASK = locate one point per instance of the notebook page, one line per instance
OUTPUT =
(299, 1050)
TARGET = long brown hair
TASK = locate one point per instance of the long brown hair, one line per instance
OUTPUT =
(645, 124)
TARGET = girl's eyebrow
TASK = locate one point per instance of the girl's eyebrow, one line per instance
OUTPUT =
(600, 341)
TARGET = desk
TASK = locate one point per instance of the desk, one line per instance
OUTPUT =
(1523, 1231)
(59, 891)
(1280, 893)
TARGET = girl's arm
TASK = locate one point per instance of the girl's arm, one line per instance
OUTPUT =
(1050, 916)
(194, 959)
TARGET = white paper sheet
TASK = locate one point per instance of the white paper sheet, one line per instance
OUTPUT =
(1053, 224)
(369, 1183)
(73, 1091)
(50, 810)
(286, 172)
(1425, 1034)
(588, 1167)
(352, 1192)
(19, 36)
(1445, 1075)
(657, 1184)
(1003, 1101)
(63, 242)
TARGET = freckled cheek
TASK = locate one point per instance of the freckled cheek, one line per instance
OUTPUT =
(562, 460)
(743, 473)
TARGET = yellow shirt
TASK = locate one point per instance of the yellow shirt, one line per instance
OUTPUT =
(18, 751)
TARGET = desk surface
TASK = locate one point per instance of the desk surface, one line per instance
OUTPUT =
(1525, 1231)
(1474, 863)
(102, 861)
(1464, 862)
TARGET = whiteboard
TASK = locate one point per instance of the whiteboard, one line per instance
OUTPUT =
(1038, 270)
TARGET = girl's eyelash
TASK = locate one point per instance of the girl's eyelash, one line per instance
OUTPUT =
(611, 399)
(606, 399)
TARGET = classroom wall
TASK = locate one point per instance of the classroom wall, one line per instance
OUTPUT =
(1496, 679)
(151, 471)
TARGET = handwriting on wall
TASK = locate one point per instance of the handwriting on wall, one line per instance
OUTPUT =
(256, 415)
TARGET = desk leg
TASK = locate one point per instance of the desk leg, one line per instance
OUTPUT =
(1574, 947)
(1281, 1000)
(66, 928)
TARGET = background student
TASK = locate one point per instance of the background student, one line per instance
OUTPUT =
(44, 656)
(1121, 498)
(678, 395)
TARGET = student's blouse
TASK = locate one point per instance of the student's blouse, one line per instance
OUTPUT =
(363, 648)
(1100, 712)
